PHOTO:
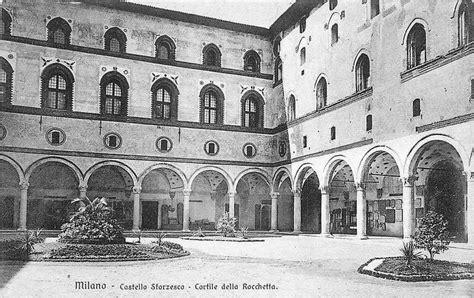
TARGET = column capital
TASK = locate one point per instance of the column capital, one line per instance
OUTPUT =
(186, 192)
(83, 187)
(324, 189)
(274, 195)
(409, 181)
(360, 186)
(24, 185)
(137, 190)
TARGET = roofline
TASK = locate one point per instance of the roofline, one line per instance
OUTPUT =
(179, 16)
(293, 14)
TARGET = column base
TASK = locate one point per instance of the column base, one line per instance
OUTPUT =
(296, 232)
(135, 230)
(362, 237)
(185, 230)
(22, 229)
(274, 231)
(326, 235)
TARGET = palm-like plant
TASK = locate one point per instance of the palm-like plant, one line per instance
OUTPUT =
(91, 209)
(409, 252)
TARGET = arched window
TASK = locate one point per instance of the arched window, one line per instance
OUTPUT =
(164, 100)
(56, 87)
(211, 55)
(332, 4)
(212, 105)
(374, 8)
(416, 108)
(252, 110)
(276, 46)
(303, 56)
(292, 108)
(368, 123)
(278, 70)
(165, 48)
(333, 133)
(6, 78)
(5, 23)
(115, 40)
(303, 24)
(334, 34)
(59, 31)
(416, 46)
(252, 61)
(321, 93)
(114, 94)
(362, 73)
(465, 23)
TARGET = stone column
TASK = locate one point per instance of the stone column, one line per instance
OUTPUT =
(16, 212)
(325, 218)
(470, 207)
(23, 204)
(296, 211)
(159, 214)
(361, 212)
(136, 208)
(186, 195)
(231, 203)
(274, 226)
(82, 191)
(408, 206)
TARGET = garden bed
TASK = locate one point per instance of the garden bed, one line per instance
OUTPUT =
(421, 269)
(225, 239)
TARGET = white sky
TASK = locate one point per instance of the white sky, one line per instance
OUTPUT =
(253, 12)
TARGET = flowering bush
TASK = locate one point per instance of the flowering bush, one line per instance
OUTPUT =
(432, 233)
(226, 224)
(93, 224)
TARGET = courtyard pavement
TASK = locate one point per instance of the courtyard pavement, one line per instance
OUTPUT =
(288, 266)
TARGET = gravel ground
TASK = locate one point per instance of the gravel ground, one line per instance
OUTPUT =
(302, 266)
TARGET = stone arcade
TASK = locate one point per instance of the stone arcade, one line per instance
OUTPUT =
(352, 117)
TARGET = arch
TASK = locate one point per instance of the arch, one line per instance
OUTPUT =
(330, 167)
(15, 165)
(297, 184)
(415, 21)
(277, 46)
(362, 72)
(278, 172)
(219, 108)
(119, 36)
(371, 153)
(252, 118)
(170, 46)
(229, 181)
(278, 71)
(6, 22)
(321, 91)
(291, 108)
(59, 31)
(415, 150)
(362, 51)
(262, 173)
(331, 17)
(6, 81)
(162, 166)
(252, 61)
(211, 55)
(301, 44)
(121, 165)
(55, 71)
(171, 87)
(64, 161)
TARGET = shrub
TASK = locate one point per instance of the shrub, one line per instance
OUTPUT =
(432, 233)
(84, 251)
(19, 248)
(409, 252)
(243, 233)
(199, 233)
(226, 224)
(92, 224)
(172, 245)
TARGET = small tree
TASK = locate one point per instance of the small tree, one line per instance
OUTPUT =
(92, 223)
(432, 233)
(226, 224)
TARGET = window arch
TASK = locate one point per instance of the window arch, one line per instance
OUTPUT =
(6, 80)
(165, 48)
(57, 83)
(252, 110)
(416, 105)
(362, 72)
(321, 93)
(115, 40)
(334, 34)
(277, 46)
(164, 100)
(278, 70)
(302, 56)
(465, 27)
(252, 61)
(332, 4)
(292, 108)
(374, 8)
(212, 105)
(5, 23)
(59, 31)
(416, 46)
(113, 94)
(211, 55)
